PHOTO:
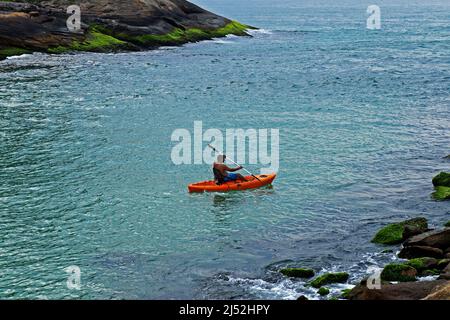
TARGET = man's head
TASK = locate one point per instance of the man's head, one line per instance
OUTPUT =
(221, 158)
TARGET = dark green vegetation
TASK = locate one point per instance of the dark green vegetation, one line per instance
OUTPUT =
(328, 278)
(398, 272)
(323, 291)
(393, 233)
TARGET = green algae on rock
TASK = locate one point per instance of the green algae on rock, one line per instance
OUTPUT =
(398, 272)
(328, 278)
(298, 272)
(441, 193)
(393, 233)
(323, 291)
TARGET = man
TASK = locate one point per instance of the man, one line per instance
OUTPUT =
(223, 173)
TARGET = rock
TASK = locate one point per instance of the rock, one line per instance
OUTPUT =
(441, 193)
(400, 291)
(442, 179)
(298, 272)
(440, 292)
(345, 293)
(419, 252)
(447, 224)
(430, 272)
(393, 233)
(302, 298)
(436, 239)
(323, 291)
(108, 25)
(410, 231)
(442, 264)
(446, 255)
(398, 272)
(423, 264)
(328, 278)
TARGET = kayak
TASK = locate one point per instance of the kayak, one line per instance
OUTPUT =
(238, 185)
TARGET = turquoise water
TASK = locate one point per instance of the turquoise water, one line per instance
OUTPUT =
(87, 177)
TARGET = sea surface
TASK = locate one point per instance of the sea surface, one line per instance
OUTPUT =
(85, 154)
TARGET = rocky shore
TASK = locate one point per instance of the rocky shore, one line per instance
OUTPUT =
(107, 26)
(421, 270)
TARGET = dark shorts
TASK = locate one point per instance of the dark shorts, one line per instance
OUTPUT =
(230, 177)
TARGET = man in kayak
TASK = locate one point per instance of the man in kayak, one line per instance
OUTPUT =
(223, 173)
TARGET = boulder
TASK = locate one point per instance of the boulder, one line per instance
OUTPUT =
(442, 179)
(420, 251)
(440, 292)
(323, 291)
(394, 232)
(328, 278)
(398, 272)
(436, 239)
(411, 231)
(298, 272)
(400, 291)
(302, 298)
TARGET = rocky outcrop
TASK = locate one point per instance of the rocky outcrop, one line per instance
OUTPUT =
(440, 292)
(107, 25)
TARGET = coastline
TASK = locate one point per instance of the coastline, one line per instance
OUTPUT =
(30, 27)
(420, 266)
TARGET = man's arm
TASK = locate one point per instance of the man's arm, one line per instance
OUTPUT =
(232, 169)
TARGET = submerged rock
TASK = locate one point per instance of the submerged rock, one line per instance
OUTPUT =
(328, 278)
(298, 272)
(398, 272)
(394, 232)
(442, 179)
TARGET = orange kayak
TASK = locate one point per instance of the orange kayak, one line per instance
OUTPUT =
(250, 183)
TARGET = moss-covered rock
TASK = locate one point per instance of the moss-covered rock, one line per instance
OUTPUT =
(11, 51)
(443, 263)
(430, 272)
(393, 233)
(447, 224)
(328, 278)
(398, 272)
(441, 193)
(345, 293)
(422, 264)
(298, 272)
(442, 179)
(323, 291)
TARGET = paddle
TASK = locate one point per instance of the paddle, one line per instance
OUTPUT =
(237, 164)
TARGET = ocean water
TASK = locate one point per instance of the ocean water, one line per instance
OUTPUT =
(85, 154)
